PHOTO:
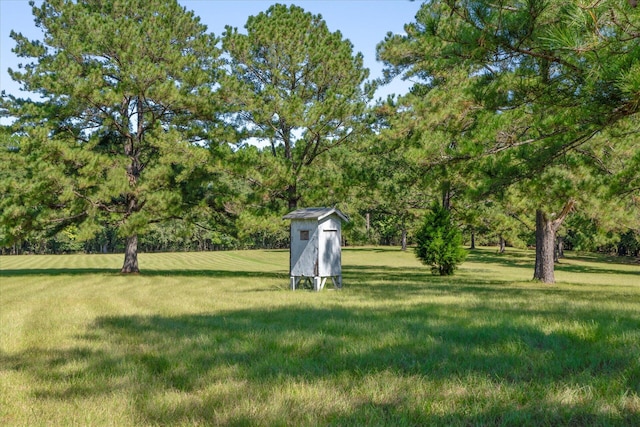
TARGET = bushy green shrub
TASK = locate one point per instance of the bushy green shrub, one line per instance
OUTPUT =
(439, 242)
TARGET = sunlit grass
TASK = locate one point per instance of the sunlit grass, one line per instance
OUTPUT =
(218, 339)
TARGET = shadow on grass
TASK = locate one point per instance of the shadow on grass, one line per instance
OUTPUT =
(586, 269)
(526, 259)
(394, 284)
(252, 354)
(611, 259)
(233, 367)
(523, 259)
(376, 249)
(55, 272)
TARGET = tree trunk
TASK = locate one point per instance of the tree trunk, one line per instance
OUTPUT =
(545, 242)
(133, 174)
(473, 240)
(131, 255)
(367, 219)
(559, 247)
(292, 197)
(502, 244)
(546, 229)
(446, 195)
(404, 239)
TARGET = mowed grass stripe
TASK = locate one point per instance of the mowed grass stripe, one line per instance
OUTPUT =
(196, 261)
(59, 263)
(216, 261)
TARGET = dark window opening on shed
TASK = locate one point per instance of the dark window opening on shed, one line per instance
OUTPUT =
(304, 234)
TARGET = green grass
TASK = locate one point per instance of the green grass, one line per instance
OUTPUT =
(218, 339)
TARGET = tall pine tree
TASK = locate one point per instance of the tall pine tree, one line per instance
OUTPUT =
(299, 88)
(125, 91)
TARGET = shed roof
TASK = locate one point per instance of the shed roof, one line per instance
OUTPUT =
(315, 213)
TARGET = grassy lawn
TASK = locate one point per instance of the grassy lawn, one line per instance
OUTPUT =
(218, 339)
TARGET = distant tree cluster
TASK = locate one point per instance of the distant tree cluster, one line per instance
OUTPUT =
(146, 132)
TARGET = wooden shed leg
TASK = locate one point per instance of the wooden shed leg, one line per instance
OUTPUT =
(317, 283)
(292, 285)
(337, 281)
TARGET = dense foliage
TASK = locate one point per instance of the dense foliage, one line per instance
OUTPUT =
(439, 242)
(532, 99)
(148, 133)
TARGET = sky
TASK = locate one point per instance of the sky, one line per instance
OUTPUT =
(364, 22)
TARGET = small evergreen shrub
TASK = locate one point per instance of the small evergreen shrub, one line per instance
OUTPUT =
(439, 242)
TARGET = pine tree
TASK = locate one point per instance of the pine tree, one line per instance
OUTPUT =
(125, 91)
(300, 89)
(439, 242)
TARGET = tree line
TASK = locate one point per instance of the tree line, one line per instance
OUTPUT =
(146, 132)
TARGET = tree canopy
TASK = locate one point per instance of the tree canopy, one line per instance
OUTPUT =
(298, 87)
(521, 114)
(521, 89)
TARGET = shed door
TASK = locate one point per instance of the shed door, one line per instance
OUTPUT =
(330, 262)
(304, 248)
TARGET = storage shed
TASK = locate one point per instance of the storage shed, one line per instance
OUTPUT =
(315, 254)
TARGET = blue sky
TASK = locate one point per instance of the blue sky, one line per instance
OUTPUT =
(364, 22)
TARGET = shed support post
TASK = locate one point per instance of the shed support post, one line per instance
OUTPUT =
(293, 283)
(337, 281)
